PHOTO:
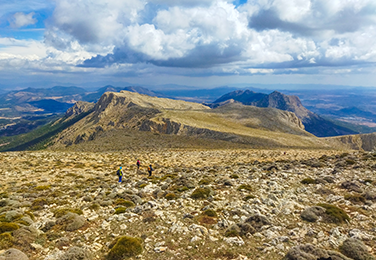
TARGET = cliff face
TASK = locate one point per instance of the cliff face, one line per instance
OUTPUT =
(312, 122)
(366, 142)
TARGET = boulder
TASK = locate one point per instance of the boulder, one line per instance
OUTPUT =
(13, 254)
(76, 253)
(312, 214)
(355, 249)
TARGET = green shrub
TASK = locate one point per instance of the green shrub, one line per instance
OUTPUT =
(210, 213)
(248, 197)
(170, 196)
(3, 195)
(245, 187)
(125, 203)
(232, 232)
(308, 181)
(38, 203)
(181, 188)
(8, 227)
(204, 182)
(334, 214)
(43, 187)
(124, 247)
(6, 241)
(350, 161)
(143, 185)
(58, 213)
(234, 176)
(94, 206)
(356, 198)
(120, 210)
(171, 176)
(200, 193)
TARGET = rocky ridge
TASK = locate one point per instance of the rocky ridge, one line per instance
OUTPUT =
(198, 204)
(257, 127)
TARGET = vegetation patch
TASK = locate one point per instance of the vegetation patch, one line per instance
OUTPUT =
(171, 176)
(210, 213)
(124, 247)
(8, 227)
(125, 203)
(356, 198)
(120, 210)
(203, 219)
(334, 214)
(200, 193)
(245, 187)
(234, 176)
(94, 206)
(43, 187)
(308, 181)
(6, 241)
(39, 203)
(204, 182)
(181, 188)
(61, 212)
(248, 197)
(143, 185)
(170, 196)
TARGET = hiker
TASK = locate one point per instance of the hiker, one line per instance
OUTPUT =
(120, 173)
(150, 169)
(138, 164)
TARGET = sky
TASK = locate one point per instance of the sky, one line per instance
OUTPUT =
(204, 43)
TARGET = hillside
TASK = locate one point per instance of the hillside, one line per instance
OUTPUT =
(198, 204)
(128, 111)
(312, 122)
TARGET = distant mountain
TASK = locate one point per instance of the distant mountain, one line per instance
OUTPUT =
(118, 117)
(94, 96)
(313, 123)
(195, 94)
(245, 97)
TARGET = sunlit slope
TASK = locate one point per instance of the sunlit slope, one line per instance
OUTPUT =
(235, 123)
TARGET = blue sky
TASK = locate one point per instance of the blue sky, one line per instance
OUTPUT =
(189, 42)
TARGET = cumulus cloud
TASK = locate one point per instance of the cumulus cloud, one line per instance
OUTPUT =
(211, 37)
(21, 20)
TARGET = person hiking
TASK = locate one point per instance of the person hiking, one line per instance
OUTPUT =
(150, 169)
(119, 173)
(138, 164)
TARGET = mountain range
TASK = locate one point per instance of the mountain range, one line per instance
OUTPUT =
(240, 116)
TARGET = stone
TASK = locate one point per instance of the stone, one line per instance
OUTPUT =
(76, 253)
(71, 221)
(238, 241)
(13, 254)
(356, 250)
(258, 221)
(351, 186)
(312, 214)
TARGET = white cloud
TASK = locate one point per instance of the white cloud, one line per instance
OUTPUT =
(207, 37)
(21, 20)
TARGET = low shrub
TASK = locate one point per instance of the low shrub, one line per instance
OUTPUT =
(120, 210)
(210, 213)
(39, 203)
(248, 197)
(308, 181)
(204, 182)
(245, 187)
(6, 241)
(125, 203)
(8, 227)
(335, 214)
(356, 198)
(58, 213)
(43, 187)
(234, 176)
(124, 247)
(170, 196)
(200, 193)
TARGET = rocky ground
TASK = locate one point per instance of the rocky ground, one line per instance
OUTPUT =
(199, 204)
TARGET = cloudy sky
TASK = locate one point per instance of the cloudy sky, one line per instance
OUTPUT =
(189, 42)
